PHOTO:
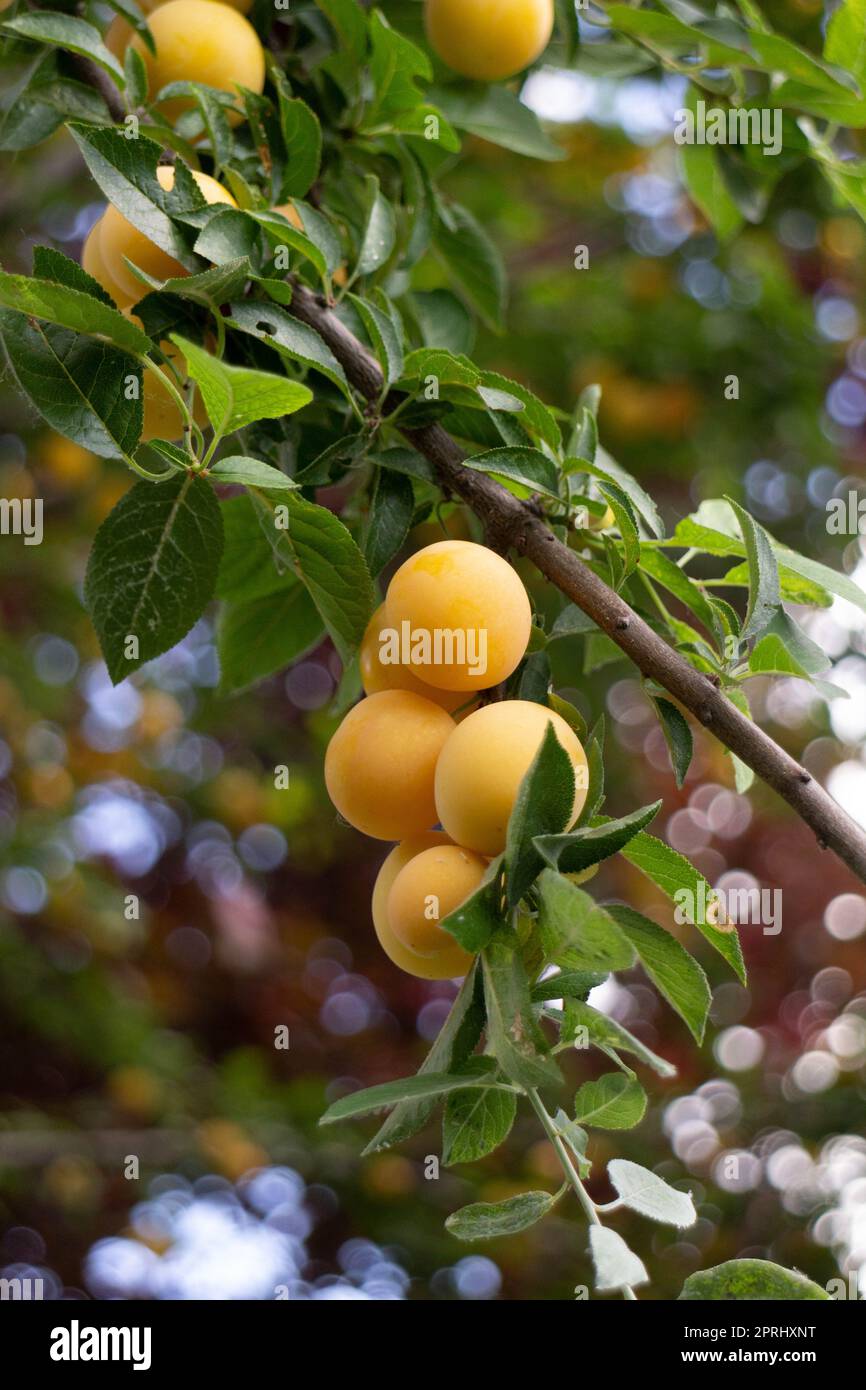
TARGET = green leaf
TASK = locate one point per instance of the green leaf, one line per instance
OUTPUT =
(209, 287)
(544, 806)
(616, 1266)
(392, 508)
(609, 471)
(535, 416)
(444, 321)
(666, 33)
(799, 646)
(476, 920)
(609, 1036)
(152, 569)
(575, 932)
(569, 29)
(395, 65)
(302, 138)
(30, 116)
(271, 324)
(249, 472)
(215, 121)
(626, 523)
(795, 589)
(845, 39)
(327, 560)
(135, 75)
(496, 114)
(68, 32)
(76, 383)
(248, 568)
(656, 564)
(264, 635)
(71, 308)
(647, 1193)
(383, 335)
(238, 396)
(475, 263)
(765, 597)
(705, 180)
(580, 849)
(380, 230)
(778, 54)
(515, 1037)
(678, 736)
(682, 883)
(567, 984)
(691, 533)
(420, 1087)
(49, 264)
(751, 1280)
(614, 1101)
(230, 235)
(455, 1043)
(125, 170)
(476, 1122)
(487, 1220)
(672, 970)
(577, 1140)
(529, 468)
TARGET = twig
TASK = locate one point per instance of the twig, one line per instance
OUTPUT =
(505, 515)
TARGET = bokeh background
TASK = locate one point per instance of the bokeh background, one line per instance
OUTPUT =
(153, 1036)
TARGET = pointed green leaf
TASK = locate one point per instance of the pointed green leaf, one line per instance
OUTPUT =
(672, 970)
(488, 1220)
(152, 570)
(544, 806)
(420, 1087)
(614, 1101)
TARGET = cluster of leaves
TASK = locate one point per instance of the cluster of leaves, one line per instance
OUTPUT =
(543, 945)
(737, 62)
(353, 134)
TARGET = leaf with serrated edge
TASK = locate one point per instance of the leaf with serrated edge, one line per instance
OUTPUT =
(264, 635)
(675, 875)
(76, 383)
(575, 932)
(249, 472)
(614, 1101)
(544, 805)
(476, 1122)
(675, 973)
(582, 848)
(515, 1038)
(152, 569)
(610, 1036)
(239, 396)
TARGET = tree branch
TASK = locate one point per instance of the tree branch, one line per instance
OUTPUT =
(505, 515)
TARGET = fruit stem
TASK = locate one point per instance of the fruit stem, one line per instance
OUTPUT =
(570, 1172)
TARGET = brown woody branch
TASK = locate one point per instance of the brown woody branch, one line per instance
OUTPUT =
(506, 516)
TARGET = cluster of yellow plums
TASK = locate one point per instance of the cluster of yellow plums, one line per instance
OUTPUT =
(418, 752)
